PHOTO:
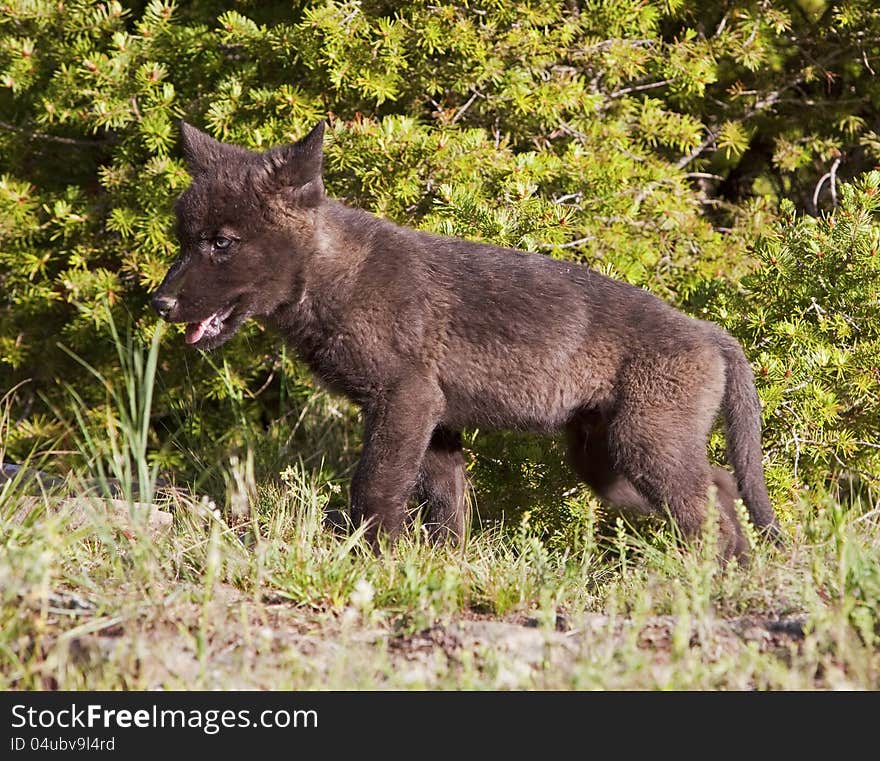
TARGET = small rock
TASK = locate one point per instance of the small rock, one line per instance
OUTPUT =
(81, 511)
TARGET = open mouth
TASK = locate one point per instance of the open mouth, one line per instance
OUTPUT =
(210, 327)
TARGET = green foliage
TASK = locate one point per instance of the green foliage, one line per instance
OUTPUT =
(651, 140)
(809, 316)
(853, 579)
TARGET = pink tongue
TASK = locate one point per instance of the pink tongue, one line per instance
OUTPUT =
(195, 330)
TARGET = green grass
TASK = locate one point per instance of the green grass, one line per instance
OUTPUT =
(278, 601)
(256, 591)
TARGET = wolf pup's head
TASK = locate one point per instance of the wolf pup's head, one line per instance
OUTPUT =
(244, 226)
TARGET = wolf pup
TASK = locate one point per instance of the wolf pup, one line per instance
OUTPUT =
(429, 334)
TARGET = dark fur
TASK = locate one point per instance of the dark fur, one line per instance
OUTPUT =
(430, 334)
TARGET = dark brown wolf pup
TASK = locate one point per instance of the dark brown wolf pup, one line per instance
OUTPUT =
(429, 334)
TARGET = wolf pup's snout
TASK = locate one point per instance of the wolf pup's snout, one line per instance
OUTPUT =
(163, 305)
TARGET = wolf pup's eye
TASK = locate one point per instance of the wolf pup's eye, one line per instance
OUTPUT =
(222, 243)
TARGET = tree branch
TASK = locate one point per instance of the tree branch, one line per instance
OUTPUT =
(638, 88)
(685, 160)
(53, 138)
(465, 107)
(829, 175)
(570, 244)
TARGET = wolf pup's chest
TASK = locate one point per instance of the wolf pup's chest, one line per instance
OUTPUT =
(344, 360)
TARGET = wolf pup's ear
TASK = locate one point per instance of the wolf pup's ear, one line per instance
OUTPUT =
(200, 150)
(296, 169)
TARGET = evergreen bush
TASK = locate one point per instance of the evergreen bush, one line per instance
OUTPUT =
(652, 140)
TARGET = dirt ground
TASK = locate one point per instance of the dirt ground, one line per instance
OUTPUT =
(234, 642)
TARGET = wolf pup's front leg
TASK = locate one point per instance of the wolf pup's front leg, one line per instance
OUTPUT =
(441, 487)
(398, 425)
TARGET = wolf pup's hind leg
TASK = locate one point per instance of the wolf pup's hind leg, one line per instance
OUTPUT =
(658, 432)
(590, 458)
(726, 495)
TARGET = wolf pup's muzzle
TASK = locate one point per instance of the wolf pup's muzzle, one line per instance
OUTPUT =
(163, 305)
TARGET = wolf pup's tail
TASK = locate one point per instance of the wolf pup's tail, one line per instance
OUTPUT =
(742, 418)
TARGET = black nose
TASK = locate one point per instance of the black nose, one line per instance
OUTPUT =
(163, 305)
